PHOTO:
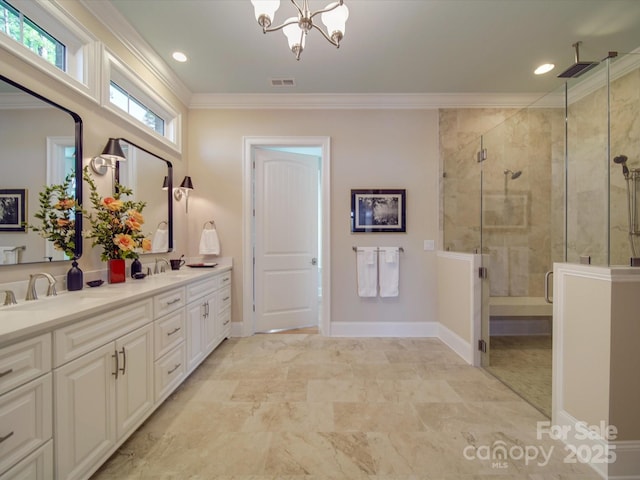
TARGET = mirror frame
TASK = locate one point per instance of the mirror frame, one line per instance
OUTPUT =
(78, 154)
(169, 187)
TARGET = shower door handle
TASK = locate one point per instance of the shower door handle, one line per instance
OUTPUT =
(547, 276)
(314, 261)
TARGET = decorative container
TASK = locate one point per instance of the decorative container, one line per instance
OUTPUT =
(75, 277)
(136, 267)
(116, 270)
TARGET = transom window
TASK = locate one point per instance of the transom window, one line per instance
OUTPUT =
(20, 28)
(138, 110)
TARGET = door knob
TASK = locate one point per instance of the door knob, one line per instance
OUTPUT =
(314, 261)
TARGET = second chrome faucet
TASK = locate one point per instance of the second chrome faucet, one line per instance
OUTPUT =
(31, 288)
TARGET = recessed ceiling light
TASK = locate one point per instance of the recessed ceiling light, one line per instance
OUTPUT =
(179, 57)
(545, 68)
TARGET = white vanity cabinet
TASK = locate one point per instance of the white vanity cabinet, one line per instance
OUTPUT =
(102, 395)
(25, 406)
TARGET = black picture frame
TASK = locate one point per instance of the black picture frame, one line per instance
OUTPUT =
(378, 210)
(13, 209)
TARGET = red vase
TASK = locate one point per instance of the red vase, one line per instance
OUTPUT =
(116, 270)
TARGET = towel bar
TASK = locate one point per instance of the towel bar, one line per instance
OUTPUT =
(400, 249)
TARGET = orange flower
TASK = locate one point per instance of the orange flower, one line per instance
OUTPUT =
(136, 215)
(65, 204)
(146, 245)
(133, 225)
(112, 204)
(124, 242)
(63, 222)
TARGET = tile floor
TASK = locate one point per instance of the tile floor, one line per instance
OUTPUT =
(307, 407)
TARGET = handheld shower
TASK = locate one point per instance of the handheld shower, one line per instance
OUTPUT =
(622, 160)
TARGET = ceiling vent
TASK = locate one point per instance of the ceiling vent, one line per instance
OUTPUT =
(283, 82)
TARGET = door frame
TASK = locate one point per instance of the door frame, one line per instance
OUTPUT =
(249, 143)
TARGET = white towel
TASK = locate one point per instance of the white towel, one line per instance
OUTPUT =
(209, 242)
(367, 269)
(389, 272)
(8, 255)
(160, 241)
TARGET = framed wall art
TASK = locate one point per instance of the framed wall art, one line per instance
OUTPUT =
(378, 211)
(13, 209)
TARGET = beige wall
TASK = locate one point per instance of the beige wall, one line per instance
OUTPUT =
(456, 294)
(369, 149)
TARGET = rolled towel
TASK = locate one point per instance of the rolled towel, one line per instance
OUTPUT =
(160, 241)
(209, 242)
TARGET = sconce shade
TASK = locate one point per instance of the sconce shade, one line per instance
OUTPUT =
(187, 183)
(113, 151)
(165, 183)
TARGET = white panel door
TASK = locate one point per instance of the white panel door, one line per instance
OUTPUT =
(286, 240)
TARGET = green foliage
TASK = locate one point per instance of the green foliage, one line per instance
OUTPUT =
(58, 210)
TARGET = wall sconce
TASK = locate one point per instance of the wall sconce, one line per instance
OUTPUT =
(183, 191)
(111, 154)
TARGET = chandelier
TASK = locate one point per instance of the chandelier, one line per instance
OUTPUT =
(334, 16)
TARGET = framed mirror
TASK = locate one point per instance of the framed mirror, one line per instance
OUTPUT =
(41, 144)
(151, 179)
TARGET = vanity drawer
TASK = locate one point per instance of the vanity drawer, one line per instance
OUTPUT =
(74, 340)
(224, 279)
(168, 332)
(201, 288)
(25, 420)
(224, 299)
(225, 324)
(168, 302)
(170, 370)
(37, 466)
(24, 361)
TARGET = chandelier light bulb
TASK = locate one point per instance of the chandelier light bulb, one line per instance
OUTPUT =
(265, 11)
(335, 20)
(295, 36)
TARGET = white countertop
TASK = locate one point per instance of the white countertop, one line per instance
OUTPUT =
(47, 313)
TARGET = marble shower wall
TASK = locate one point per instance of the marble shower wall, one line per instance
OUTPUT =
(522, 227)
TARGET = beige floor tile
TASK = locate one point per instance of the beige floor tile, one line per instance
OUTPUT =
(416, 390)
(376, 417)
(356, 390)
(270, 391)
(290, 417)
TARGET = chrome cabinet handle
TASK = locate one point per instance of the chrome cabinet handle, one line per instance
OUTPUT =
(225, 299)
(124, 361)
(115, 355)
(226, 279)
(177, 329)
(174, 368)
(226, 323)
(2, 439)
(6, 372)
(175, 300)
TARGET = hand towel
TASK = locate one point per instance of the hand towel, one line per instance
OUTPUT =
(389, 272)
(367, 270)
(209, 242)
(160, 241)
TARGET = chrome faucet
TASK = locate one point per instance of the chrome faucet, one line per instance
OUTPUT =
(161, 269)
(31, 288)
(9, 297)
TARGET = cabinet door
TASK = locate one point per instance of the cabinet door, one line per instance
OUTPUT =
(195, 332)
(211, 327)
(84, 411)
(134, 386)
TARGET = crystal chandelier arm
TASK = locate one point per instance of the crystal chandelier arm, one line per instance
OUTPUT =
(329, 39)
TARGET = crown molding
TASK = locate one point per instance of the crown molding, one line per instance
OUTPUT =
(296, 101)
(111, 18)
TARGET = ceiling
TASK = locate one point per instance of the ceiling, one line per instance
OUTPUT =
(390, 46)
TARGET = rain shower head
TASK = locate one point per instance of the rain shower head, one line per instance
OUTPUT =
(578, 68)
(514, 175)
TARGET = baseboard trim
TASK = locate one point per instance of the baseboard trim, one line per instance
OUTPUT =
(384, 329)
(627, 463)
(456, 343)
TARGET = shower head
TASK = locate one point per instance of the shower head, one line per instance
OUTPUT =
(622, 160)
(514, 175)
(578, 68)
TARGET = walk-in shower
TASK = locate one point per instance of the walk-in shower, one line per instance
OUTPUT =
(632, 179)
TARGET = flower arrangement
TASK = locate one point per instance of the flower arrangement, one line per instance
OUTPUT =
(116, 224)
(58, 209)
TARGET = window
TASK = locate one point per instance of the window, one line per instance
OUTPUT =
(125, 101)
(20, 28)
